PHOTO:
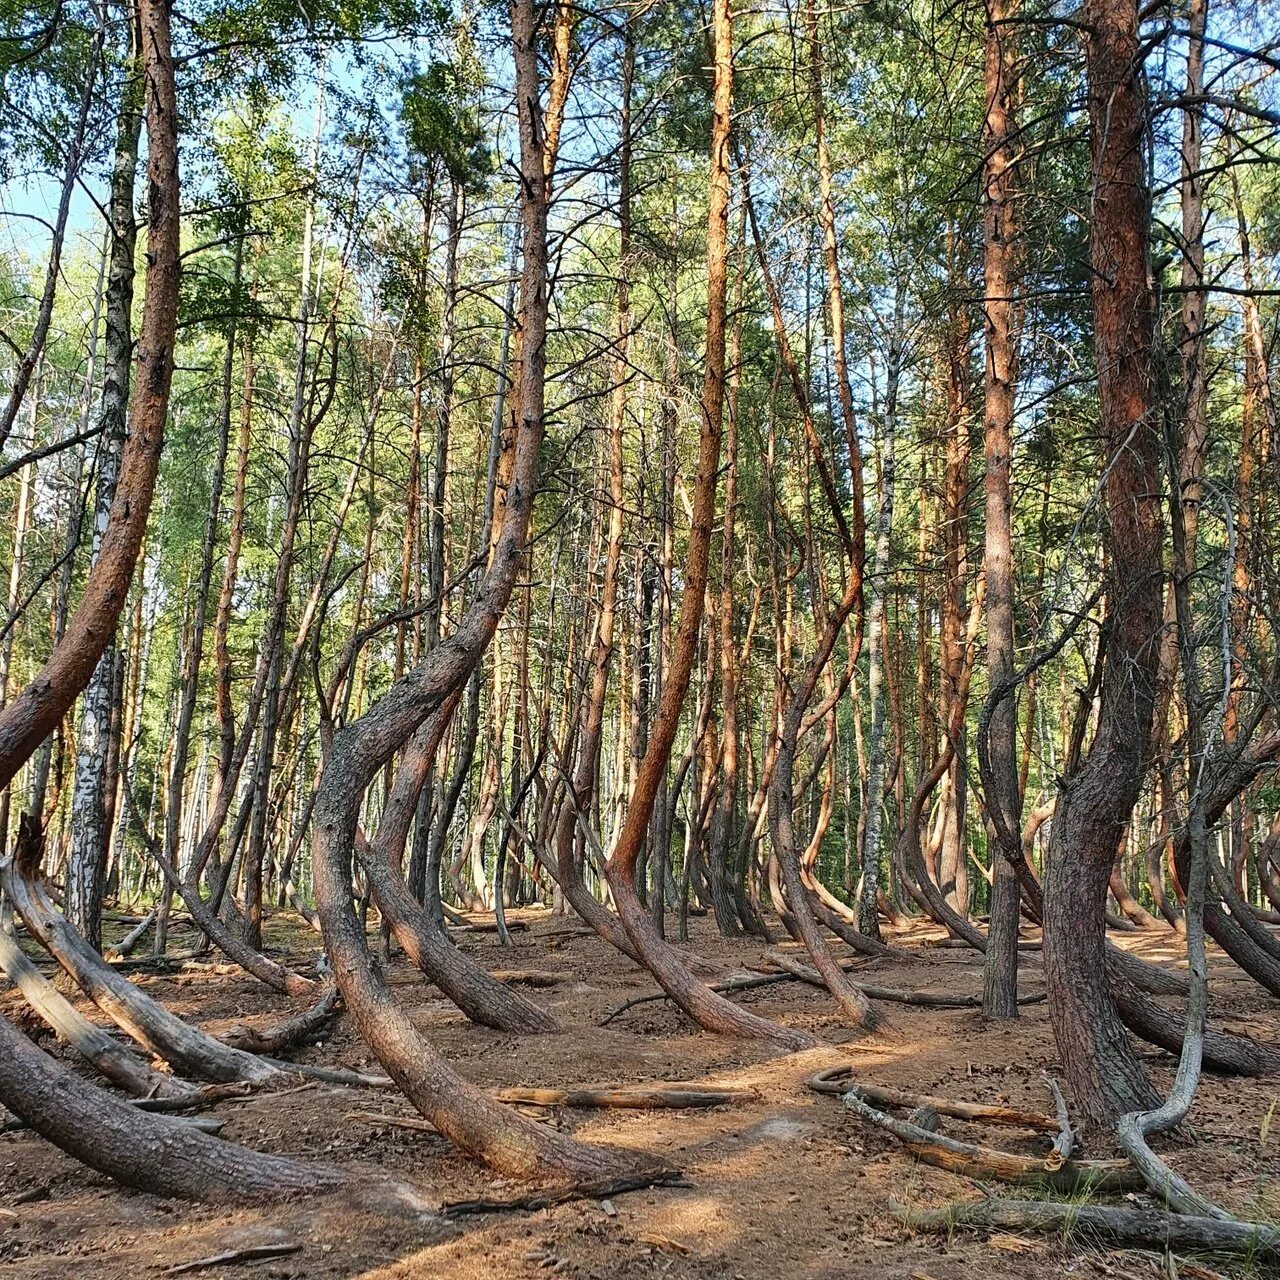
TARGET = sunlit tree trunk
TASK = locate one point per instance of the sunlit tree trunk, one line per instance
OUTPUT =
(90, 830)
(1095, 805)
(1001, 260)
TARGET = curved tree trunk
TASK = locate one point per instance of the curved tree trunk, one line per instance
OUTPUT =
(701, 1003)
(154, 1153)
(1095, 806)
(118, 1063)
(129, 1007)
(482, 998)
(471, 1120)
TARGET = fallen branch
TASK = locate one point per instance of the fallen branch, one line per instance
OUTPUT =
(739, 982)
(250, 1253)
(927, 999)
(628, 1097)
(581, 1191)
(837, 1080)
(634, 1097)
(1143, 1228)
(1065, 1142)
(416, 1123)
(331, 1075)
(972, 1161)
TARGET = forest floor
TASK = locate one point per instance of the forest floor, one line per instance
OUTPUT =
(787, 1184)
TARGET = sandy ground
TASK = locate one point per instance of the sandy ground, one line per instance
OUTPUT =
(785, 1185)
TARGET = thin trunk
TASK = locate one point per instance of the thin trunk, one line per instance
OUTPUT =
(90, 831)
(877, 641)
(1001, 263)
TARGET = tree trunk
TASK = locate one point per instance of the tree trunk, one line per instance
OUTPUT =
(709, 1009)
(1095, 805)
(1001, 260)
(507, 1142)
(877, 641)
(90, 829)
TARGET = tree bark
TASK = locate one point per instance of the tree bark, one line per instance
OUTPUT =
(1001, 258)
(90, 829)
(1095, 806)
(464, 1114)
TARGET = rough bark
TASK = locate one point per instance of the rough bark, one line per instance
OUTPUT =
(1095, 805)
(154, 1153)
(465, 1115)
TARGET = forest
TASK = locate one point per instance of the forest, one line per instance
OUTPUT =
(639, 638)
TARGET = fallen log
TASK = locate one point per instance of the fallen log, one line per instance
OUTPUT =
(838, 1080)
(971, 1161)
(629, 1097)
(1141, 1228)
(625, 1097)
(896, 995)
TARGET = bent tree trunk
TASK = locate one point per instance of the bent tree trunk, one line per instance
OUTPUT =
(154, 1153)
(149, 1023)
(465, 1115)
(1095, 805)
(113, 1059)
(481, 997)
(701, 1003)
